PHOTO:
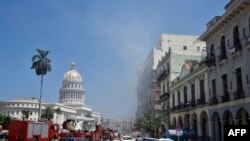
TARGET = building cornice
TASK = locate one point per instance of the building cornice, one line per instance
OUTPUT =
(217, 23)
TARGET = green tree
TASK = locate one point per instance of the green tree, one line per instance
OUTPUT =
(47, 114)
(26, 114)
(41, 64)
(150, 123)
(4, 120)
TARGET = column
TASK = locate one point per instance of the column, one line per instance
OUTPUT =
(199, 129)
(222, 129)
(211, 129)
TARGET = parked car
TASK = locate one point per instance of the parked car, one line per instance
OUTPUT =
(165, 139)
(127, 138)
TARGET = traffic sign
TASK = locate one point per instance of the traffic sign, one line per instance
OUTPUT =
(178, 130)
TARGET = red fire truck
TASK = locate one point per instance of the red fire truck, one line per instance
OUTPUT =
(93, 133)
(32, 131)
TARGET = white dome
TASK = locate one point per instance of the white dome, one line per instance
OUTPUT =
(73, 74)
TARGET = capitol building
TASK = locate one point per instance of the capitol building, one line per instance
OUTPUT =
(71, 102)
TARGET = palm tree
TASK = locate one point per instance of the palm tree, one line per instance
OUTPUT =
(41, 64)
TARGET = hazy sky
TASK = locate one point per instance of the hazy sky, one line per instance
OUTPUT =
(106, 39)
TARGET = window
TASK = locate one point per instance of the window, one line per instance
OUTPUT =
(184, 47)
(167, 85)
(211, 53)
(244, 32)
(211, 56)
(198, 49)
(185, 95)
(193, 92)
(247, 79)
(213, 88)
(224, 84)
(239, 84)
(173, 100)
(202, 90)
(163, 88)
(223, 53)
(236, 38)
(179, 98)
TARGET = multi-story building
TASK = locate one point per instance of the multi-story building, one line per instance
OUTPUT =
(169, 68)
(184, 47)
(146, 88)
(217, 94)
(189, 99)
(71, 102)
(228, 46)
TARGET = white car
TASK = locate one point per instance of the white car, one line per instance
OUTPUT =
(165, 139)
(127, 138)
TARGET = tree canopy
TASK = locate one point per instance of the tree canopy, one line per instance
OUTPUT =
(151, 123)
(47, 114)
(4, 120)
(26, 114)
(40, 62)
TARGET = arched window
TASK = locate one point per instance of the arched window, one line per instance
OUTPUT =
(236, 38)
(223, 48)
(211, 53)
(211, 56)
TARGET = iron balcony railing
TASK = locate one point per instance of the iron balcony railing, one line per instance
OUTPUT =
(214, 100)
(209, 61)
(225, 97)
(165, 95)
(201, 101)
(238, 94)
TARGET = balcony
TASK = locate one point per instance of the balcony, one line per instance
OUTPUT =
(247, 42)
(178, 107)
(225, 98)
(192, 103)
(172, 109)
(214, 100)
(235, 50)
(210, 61)
(201, 101)
(162, 75)
(165, 96)
(238, 94)
(222, 58)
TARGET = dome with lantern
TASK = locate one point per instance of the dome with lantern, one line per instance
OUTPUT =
(73, 74)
